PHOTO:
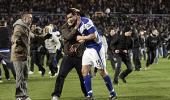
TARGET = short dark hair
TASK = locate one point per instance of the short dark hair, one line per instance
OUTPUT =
(73, 11)
(25, 12)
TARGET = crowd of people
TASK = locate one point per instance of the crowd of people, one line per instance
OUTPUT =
(109, 6)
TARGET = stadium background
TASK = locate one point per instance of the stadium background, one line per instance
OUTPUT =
(144, 85)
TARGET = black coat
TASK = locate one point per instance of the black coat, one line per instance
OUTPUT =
(152, 42)
(5, 40)
(121, 42)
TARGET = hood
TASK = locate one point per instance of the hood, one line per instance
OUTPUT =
(20, 22)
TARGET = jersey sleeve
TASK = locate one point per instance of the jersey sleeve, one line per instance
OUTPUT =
(89, 26)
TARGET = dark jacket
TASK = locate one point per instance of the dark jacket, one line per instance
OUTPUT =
(121, 42)
(69, 35)
(152, 42)
(5, 35)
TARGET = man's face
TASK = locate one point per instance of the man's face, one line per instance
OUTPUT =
(28, 19)
(71, 19)
(112, 32)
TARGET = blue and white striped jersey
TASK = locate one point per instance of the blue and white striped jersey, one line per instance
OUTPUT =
(87, 27)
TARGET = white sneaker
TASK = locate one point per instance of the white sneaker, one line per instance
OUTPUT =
(55, 98)
(8, 79)
(49, 72)
(1, 81)
(40, 72)
(30, 72)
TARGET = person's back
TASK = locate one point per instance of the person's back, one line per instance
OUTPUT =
(5, 32)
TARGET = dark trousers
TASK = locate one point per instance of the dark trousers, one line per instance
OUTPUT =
(8, 65)
(151, 56)
(112, 58)
(136, 58)
(126, 59)
(67, 64)
(5, 56)
(36, 58)
(6, 72)
(52, 63)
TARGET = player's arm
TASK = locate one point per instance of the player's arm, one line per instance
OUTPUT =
(91, 36)
(91, 30)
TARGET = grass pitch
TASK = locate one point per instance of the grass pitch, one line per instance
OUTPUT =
(153, 84)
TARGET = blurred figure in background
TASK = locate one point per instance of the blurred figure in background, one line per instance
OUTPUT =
(152, 43)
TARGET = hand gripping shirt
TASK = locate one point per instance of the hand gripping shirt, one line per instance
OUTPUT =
(87, 27)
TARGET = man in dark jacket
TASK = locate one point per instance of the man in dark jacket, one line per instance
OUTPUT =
(135, 50)
(152, 43)
(72, 58)
(121, 46)
(5, 43)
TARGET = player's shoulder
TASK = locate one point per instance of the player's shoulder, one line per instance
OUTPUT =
(86, 20)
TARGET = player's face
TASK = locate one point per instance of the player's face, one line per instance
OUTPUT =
(71, 19)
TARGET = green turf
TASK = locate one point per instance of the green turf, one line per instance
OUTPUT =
(153, 84)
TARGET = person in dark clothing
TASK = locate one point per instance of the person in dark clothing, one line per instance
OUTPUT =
(121, 46)
(72, 58)
(152, 43)
(36, 54)
(110, 38)
(135, 50)
(5, 44)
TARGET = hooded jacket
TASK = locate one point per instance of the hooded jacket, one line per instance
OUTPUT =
(20, 41)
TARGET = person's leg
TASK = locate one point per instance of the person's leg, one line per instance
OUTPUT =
(0, 76)
(21, 78)
(39, 64)
(144, 54)
(87, 79)
(108, 83)
(6, 71)
(11, 66)
(157, 56)
(148, 58)
(111, 57)
(33, 55)
(50, 62)
(66, 66)
(55, 67)
(117, 69)
(78, 68)
(126, 72)
(136, 59)
(153, 56)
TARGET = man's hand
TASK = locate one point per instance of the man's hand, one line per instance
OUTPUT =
(80, 38)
